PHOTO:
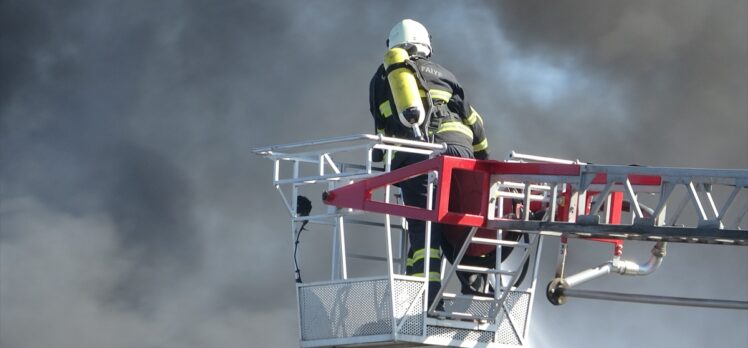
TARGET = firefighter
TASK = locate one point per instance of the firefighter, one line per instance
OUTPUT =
(447, 118)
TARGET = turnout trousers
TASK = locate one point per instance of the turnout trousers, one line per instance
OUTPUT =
(415, 193)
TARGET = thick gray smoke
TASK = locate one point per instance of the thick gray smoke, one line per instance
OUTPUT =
(132, 213)
(663, 83)
(649, 82)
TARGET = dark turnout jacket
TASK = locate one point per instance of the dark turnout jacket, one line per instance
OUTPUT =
(453, 121)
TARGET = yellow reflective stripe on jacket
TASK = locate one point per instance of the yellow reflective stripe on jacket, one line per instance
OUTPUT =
(437, 94)
(420, 254)
(480, 146)
(433, 276)
(385, 109)
(380, 131)
(474, 117)
(455, 127)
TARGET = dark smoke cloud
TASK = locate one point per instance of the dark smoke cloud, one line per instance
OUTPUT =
(132, 213)
(125, 135)
(658, 83)
(150, 205)
(679, 71)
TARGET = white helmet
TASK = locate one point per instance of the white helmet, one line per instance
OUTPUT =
(409, 33)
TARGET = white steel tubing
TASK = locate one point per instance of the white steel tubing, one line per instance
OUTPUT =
(285, 201)
(697, 202)
(699, 175)
(534, 198)
(497, 262)
(264, 151)
(739, 218)
(679, 210)
(427, 255)
(373, 141)
(341, 240)
(294, 194)
(634, 200)
(497, 281)
(321, 165)
(728, 202)
(563, 249)
(513, 277)
(622, 267)
(589, 274)
(521, 185)
(332, 163)
(390, 262)
(653, 299)
(602, 197)
(458, 258)
(518, 156)
(276, 170)
(311, 155)
(315, 179)
(526, 212)
(554, 199)
(665, 192)
(369, 257)
(404, 149)
(499, 242)
(632, 268)
(710, 200)
(531, 290)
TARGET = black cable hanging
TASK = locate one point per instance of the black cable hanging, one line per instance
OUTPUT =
(303, 208)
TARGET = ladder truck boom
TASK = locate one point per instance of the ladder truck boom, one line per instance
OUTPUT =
(500, 210)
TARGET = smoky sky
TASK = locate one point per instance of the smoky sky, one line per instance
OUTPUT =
(132, 212)
(678, 68)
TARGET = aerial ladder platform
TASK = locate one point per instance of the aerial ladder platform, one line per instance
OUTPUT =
(504, 209)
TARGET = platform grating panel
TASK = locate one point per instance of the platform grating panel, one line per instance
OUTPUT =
(347, 309)
(405, 293)
(517, 303)
(478, 308)
(459, 334)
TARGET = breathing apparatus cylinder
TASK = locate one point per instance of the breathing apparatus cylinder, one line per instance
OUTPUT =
(404, 88)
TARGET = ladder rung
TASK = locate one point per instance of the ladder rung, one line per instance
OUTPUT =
(477, 298)
(499, 242)
(486, 270)
(461, 315)
(455, 297)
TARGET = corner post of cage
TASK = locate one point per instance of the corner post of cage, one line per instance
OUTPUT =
(427, 251)
(339, 263)
(388, 233)
(536, 268)
(572, 205)
(439, 174)
(294, 200)
(293, 208)
(497, 205)
(526, 200)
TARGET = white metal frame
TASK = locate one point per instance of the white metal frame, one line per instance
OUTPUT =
(718, 221)
(329, 173)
